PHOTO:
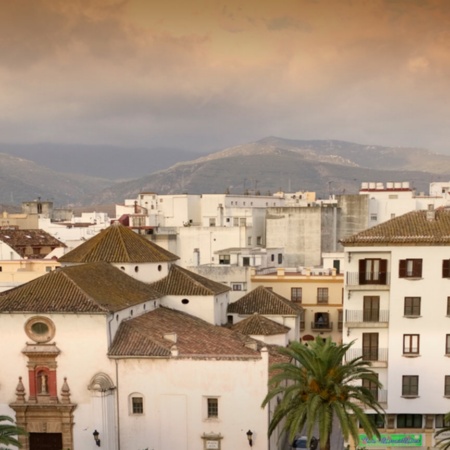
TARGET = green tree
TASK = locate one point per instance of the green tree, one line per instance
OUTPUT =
(443, 442)
(9, 432)
(317, 384)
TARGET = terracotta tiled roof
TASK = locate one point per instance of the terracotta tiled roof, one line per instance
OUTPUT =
(118, 244)
(180, 281)
(412, 228)
(144, 336)
(257, 325)
(94, 287)
(264, 301)
(19, 240)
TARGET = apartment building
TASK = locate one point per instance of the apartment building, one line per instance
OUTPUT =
(397, 313)
(318, 291)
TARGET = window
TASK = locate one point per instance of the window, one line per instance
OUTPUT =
(242, 222)
(412, 306)
(212, 222)
(410, 385)
(447, 344)
(370, 347)
(411, 344)
(280, 258)
(224, 259)
(296, 294)
(409, 421)
(340, 319)
(258, 240)
(212, 408)
(137, 405)
(447, 386)
(249, 241)
(446, 268)
(236, 287)
(448, 306)
(372, 271)
(246, 261)
(321, 320)
(377, 419)
(440, 421)
(410, 268)
(373, 217)
(322, 295)
(371, 309)
(272, 257)
(372, 386)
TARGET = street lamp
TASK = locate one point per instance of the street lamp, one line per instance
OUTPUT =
(96, 435)
(249, 437)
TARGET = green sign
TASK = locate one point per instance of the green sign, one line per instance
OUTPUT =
(392, 440)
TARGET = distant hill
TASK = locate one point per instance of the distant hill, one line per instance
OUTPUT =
(23, 180)
(100, 161)
(273, 164)
(268, 165)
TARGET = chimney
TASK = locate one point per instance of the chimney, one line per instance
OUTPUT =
(431, 213)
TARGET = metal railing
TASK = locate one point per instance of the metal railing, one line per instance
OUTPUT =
(368, 354)
(322, 326)
(360, 316)
(362, 279)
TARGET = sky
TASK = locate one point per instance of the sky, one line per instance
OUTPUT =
(209, 74)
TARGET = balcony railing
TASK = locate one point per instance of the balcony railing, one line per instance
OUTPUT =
(368, 354)
(321, 326)
(360, 316)
(363, 278)
(380, 395)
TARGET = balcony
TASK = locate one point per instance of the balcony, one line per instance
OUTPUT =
(367, 319)
(378, 357)
(321, 326)
(363, 280)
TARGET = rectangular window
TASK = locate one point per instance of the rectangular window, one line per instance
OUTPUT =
(371, 309)
(377, 419)
(280, 258)
(322, 295)
(137, 405)
(249, 241)
(340, 319)
(412, 306)
(372, 271)
(447, 386)
(411, 344)
(410, 385)
(258, 240)
(212, 408)
(409, 420)
(296, 294)
(447, 344)
(242, 221)
(370, 347)
(212, 222)
(448, 306)
(235, 221)
(440, 422)
(237, 287)
(224, 259)
(373, 217)
(410, 268)
(446, 268)
(372, 386)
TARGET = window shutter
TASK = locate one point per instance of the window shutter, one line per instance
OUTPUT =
(362, 271)
(446, 268)
(417, 268)
(402, 268)
(383, 271)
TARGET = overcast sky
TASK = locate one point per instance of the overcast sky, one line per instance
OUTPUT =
(207, 74)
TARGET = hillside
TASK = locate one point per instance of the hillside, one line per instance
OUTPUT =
(22, 180)
(273, 164)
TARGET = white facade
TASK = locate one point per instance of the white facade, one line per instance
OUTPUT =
(399, 318)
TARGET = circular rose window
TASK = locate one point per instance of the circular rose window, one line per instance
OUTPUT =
(40, 329)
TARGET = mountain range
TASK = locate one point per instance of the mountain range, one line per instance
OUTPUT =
(264, 166)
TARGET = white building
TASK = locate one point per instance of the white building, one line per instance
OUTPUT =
(91, 348)
(397, 310)
(394, 199)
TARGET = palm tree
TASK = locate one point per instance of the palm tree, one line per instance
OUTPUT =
(316, 385)
(443, 442)
(9, 431)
